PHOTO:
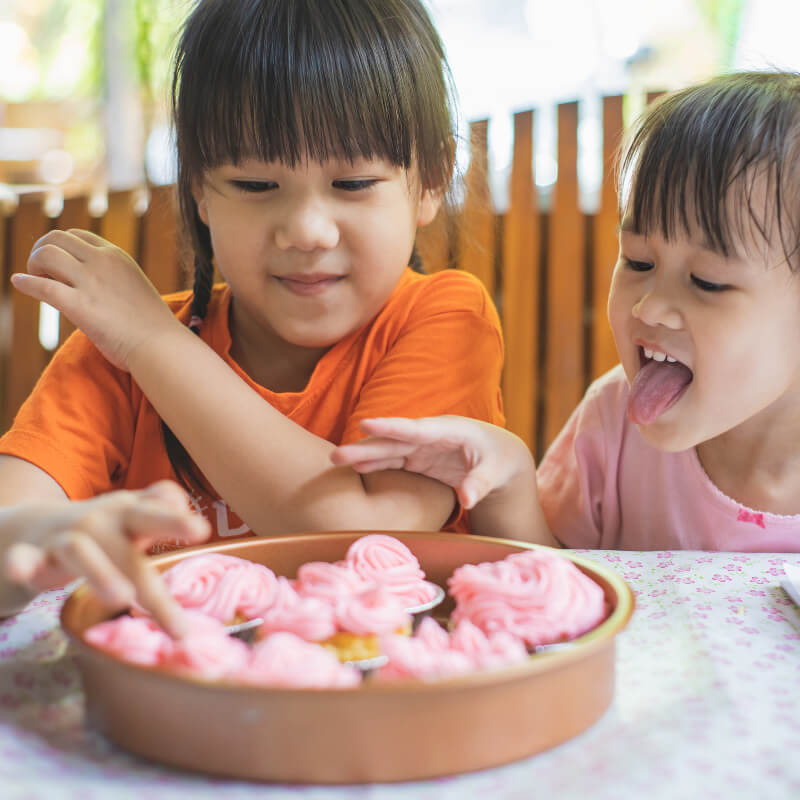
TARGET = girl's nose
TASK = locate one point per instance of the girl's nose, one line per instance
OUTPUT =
(655, 308)
(306, 226)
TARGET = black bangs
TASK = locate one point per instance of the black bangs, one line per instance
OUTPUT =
(720, 159)
(290, 80)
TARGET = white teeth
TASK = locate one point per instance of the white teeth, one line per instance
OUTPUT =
(657, 355)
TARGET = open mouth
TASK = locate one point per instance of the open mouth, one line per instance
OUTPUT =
(660, 382)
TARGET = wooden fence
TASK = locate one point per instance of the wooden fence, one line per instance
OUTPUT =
(548, 271)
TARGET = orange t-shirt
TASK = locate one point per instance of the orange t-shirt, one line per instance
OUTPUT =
(434, 348)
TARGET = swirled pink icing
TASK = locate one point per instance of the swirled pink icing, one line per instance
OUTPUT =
(432, 653)
(329, 581)
(538, 596)
(419, 657)
(283, 659)
(388, 562)
(309, 618)
(206, 650)
(487, 652)
(373, 611)
(221, 586)
(136, 639)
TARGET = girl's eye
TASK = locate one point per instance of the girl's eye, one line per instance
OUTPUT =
(638, 266)
(707, 286)
(254, 187)
(355, 185)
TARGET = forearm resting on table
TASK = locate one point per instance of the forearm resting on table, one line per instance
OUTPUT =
(276, 475)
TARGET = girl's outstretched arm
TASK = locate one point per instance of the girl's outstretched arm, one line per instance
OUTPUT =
(275, 474)
(491, 469)
(47, 540)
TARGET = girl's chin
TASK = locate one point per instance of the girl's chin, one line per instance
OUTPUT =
(660, 436)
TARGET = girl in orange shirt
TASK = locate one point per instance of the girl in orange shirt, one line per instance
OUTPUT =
(313, 140)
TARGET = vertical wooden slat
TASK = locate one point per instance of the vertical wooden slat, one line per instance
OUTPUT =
(477, 225)
(159, 252)
(433, 243)
(604, 255)
(28, 356)
(520, 287)
(564, 384)
(75, 214)
(120, 224)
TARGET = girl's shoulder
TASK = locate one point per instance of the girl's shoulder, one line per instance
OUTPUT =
(180, 303)
(446, 291)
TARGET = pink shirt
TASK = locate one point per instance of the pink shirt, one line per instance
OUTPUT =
(602, 486)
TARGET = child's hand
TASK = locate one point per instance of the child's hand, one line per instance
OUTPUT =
(474, 457)
(105, 542)
(99, 287)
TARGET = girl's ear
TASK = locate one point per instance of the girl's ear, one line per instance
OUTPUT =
(428, 206)
(198, 192)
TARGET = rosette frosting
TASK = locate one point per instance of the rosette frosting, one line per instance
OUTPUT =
(537, 596)
(283, 659)
(222, 586)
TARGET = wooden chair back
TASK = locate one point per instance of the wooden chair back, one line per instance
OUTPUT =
(548, 270)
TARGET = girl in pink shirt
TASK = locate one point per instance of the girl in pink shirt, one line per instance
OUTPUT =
(693, 441)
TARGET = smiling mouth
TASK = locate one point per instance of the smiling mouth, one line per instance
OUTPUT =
(660, 382)
(306, 285)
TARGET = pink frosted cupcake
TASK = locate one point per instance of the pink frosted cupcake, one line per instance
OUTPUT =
(227, 588)
(389, 563)
(330, 582)
(309, 618)
(537, 596)
(426, 655)
(135, 639)
(490, 651)
(283, 659)
(433, 654)
(362, 619)
(207, 651)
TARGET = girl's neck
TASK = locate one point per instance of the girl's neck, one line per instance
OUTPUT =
(267, 359)
(757, 465)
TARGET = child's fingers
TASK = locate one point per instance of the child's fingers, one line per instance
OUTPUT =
(150, 521)
(473, 489)
(133, 577)
(445, 430)
(29, 566)
(48, 290)
(80, 554)
(168, 492)
(88, 237)
(76, 243)
(378, 465)
(372, 449)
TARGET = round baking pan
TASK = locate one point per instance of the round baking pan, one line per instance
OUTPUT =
(392, 731)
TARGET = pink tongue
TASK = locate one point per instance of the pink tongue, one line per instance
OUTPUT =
(656, 387)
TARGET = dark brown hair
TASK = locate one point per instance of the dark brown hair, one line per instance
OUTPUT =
(701, 151)
(290, 80)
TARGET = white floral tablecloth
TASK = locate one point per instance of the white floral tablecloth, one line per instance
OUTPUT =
(707, 705)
